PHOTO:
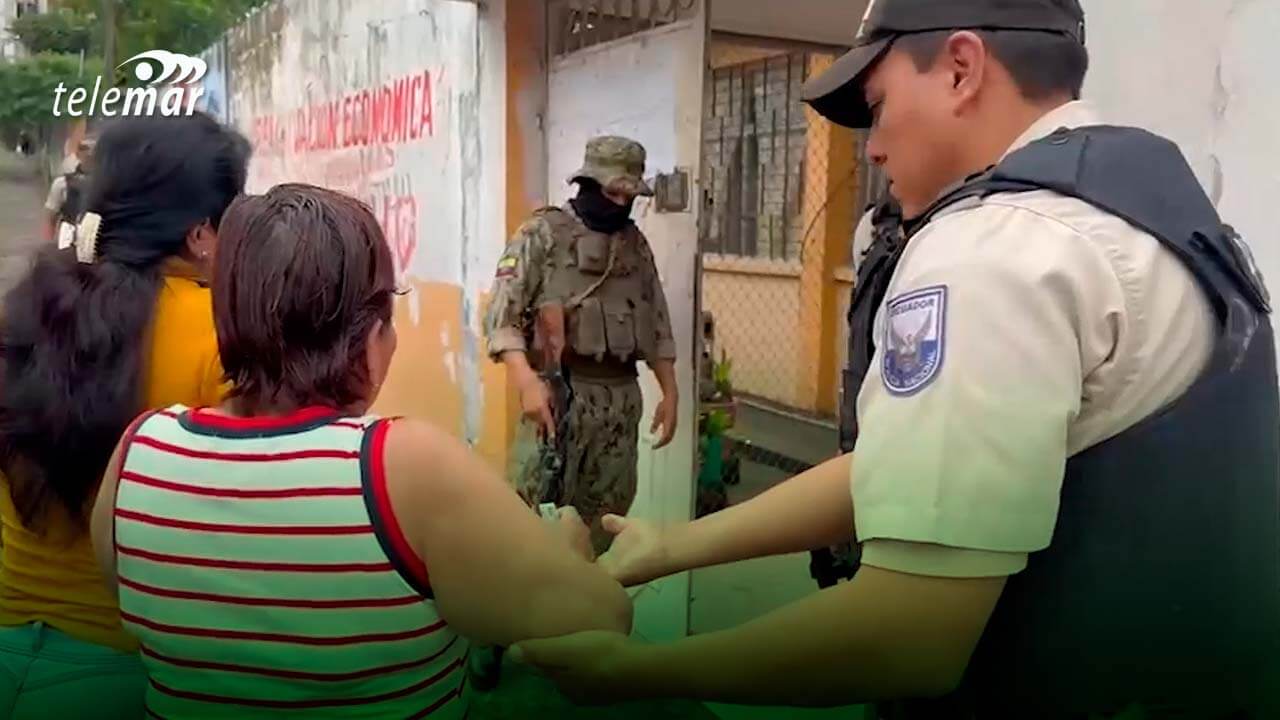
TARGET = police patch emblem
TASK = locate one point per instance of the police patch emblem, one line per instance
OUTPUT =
(915, 335)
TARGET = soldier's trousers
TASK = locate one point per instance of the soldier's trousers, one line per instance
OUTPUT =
(603, 430)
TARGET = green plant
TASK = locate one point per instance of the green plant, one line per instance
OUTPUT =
(717, 422)
(27, 88)
(58, 31)
(721, 373)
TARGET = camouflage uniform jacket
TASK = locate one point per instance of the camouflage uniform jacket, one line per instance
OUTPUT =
(543, 265)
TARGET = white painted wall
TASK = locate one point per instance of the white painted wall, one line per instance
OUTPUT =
(9, 45)
(303, 81)
(832, 22)
(1202, 73)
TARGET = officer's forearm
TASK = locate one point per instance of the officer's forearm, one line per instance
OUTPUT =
(883, 635)
(812, 510)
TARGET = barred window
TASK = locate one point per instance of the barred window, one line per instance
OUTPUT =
(753, 157)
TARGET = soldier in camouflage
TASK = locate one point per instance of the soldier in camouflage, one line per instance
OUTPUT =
(588, 269)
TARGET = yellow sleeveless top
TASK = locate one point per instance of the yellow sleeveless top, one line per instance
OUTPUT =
(53, 577)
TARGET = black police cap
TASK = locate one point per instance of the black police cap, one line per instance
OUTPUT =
(837, 93)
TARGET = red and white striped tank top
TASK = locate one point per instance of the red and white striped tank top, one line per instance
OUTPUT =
(264, 575)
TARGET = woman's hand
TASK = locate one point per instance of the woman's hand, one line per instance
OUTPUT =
(574, 532)
(639, 552)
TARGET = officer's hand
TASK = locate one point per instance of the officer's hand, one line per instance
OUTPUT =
(639, 552)
(665, 417)
(535, 401)
(589, 667)
(575, 532)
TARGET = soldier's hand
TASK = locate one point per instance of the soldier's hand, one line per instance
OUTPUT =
(639, 552)
(665, 417)
(535, 401)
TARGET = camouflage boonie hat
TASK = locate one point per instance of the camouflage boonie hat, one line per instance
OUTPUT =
(617, 163)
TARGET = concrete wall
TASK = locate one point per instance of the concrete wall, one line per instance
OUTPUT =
(756, 304)
(1202, 74)
(401, 103)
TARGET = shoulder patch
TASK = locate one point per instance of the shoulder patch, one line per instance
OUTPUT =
(915, 339)
(507, 267)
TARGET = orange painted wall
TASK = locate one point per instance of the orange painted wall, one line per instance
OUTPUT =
(525, 192)
(423, 381)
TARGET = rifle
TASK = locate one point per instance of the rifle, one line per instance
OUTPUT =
(549, 342)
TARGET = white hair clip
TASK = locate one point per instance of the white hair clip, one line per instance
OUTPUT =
(86, 241)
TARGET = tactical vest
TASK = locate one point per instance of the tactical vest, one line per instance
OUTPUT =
(73, 205)
(601, 280)
(870, 285)
(1162, 582)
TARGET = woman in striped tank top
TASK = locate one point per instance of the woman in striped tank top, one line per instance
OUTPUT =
(288, 554)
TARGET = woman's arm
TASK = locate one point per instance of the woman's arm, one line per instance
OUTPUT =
(101, 527)
(499, 573)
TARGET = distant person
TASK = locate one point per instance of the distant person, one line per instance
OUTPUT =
(285, 550)
(88, 339)
(67, 195)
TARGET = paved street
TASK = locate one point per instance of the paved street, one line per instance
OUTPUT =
(21, 201)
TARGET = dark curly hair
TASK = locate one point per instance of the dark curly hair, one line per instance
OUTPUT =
(72, 335)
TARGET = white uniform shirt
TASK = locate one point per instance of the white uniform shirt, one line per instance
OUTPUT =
(53, 203)
(1015, 333)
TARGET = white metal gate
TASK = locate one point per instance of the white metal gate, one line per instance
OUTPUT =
(637, 68)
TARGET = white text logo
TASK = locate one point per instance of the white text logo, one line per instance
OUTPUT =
(172, 86)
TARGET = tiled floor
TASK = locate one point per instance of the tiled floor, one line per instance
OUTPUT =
(727, 596)
(525, 695)
(723, 597)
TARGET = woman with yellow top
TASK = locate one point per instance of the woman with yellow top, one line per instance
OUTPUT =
(89, 338)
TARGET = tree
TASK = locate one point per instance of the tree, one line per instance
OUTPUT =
(182, 26)
(110, 31)
(27, 89)
(60, 31)
(117, 29)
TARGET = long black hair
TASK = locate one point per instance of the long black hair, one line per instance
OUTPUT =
(72, 334)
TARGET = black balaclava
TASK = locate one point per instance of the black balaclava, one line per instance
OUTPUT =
(599, 212)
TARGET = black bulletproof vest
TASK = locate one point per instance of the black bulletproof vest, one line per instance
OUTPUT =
(869, 287)
(1162, 582)
(73, 206)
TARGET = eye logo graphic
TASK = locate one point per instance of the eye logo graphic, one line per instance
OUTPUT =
(160, 66)
(171, 85)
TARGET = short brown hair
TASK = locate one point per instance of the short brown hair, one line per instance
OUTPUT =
(301, 277)
(1043, 64)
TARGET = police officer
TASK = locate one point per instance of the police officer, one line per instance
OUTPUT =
(65, 203)
(1065, 476)
(588, 264)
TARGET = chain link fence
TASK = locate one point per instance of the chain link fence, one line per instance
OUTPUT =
(785, 189)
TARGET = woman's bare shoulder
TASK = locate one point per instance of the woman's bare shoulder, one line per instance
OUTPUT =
(429, 458)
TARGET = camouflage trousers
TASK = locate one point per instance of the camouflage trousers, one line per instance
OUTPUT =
(600, 468)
